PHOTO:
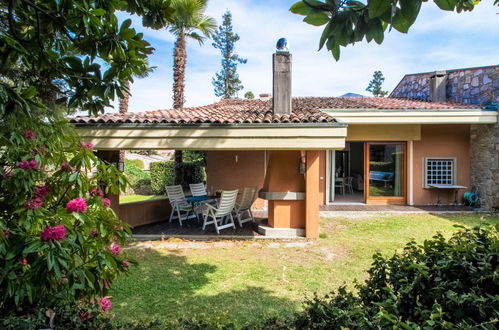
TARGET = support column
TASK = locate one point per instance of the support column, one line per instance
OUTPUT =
(312, 195)
(111, 156)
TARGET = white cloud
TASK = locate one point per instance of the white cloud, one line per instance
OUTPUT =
(438, 40)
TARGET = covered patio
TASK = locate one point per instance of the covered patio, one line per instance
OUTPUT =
(291, 145)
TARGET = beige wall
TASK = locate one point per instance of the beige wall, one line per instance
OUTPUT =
(224, 172)
(441, 141)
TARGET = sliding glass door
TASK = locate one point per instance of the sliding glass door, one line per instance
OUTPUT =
(385, 166)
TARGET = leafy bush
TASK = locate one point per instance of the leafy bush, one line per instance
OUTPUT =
(439, 284)
(162, 175)
(59, 240)
(137, 162)
(139, 180)
(193, 172)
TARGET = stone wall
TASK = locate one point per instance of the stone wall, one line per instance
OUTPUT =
(484, 153)
(471, 86)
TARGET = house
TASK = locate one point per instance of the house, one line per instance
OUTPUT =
(304, 152)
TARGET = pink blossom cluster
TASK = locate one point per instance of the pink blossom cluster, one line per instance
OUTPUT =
(126, 263)
(41, 191)
(105, 303)
(55, 233)
(96, 192)
(87, 145)
(78, 205)
(115, 249)
(28, 164)
(24, 262)
(34, 203)
(30, 135)
(64, 166)
(106, 202)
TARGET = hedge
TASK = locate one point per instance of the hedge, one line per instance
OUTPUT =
(163, 174)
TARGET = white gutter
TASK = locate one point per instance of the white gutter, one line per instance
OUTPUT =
(413, 116)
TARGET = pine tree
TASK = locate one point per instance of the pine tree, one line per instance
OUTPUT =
(375, 85)
(227, 82)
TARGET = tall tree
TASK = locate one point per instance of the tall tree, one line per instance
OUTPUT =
(375, 85)
(227, 82)
(188, 21)
(350, 21)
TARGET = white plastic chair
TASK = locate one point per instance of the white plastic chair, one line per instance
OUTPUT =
(179, 204)
(244, 205)
(198, 189)
(222, 212)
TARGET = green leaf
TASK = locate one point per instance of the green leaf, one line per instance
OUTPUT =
(406, 15)
(300, 8)
(317, 18)
(446, 4)
(29, 92)
(377, 8)
(375, 31)
(98, 12)
(336, 52)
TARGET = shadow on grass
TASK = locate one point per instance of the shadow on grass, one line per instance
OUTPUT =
(471, 220)
(166, 286)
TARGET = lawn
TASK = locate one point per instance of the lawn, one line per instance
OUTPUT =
(254, 279)
(139, 198)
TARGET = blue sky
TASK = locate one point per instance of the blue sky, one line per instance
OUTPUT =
(438, 40)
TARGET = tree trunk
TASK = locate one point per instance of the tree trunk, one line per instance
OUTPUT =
(179, 60)
(124, 109)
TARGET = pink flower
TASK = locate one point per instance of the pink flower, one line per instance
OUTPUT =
(126, 263)
(115, 249)
(96, 192)
(77, 205)
(41, 191)
(64, 166)
(106, 202)
(29, 134)
(34, 204)
(55, 233)
(105, 304)
(24, 261)
(87, 145)
(6, 233)
(28, 164)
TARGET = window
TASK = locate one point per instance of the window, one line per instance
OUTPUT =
(439, 171)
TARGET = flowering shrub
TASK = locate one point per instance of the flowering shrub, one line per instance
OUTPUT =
(60, 242)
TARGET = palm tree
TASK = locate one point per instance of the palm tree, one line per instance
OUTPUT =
(188, 21)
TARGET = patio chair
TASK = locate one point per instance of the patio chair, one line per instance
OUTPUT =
(244, 205)
(181, 209)
(349, 184)
(222, 212)
(198, 189)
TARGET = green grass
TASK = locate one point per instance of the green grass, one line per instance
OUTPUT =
(255, 279)
(139, 198)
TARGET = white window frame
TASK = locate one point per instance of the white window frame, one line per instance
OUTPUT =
(425, 165)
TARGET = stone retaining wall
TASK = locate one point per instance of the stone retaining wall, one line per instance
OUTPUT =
(471, 86)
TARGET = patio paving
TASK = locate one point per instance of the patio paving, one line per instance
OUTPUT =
(193, 227)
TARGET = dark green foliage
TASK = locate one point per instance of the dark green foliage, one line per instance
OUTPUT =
(227, 82)
(162, 175)
(440, 284)
(193, 173)
(249, 95)
(138, 179)
(375, 85)
(350, 21)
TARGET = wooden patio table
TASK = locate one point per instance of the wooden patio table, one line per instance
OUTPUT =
(452, 187)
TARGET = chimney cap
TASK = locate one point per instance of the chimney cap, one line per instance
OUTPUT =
(282, 45)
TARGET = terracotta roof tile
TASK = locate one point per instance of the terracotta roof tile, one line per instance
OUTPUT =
(236, 111)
